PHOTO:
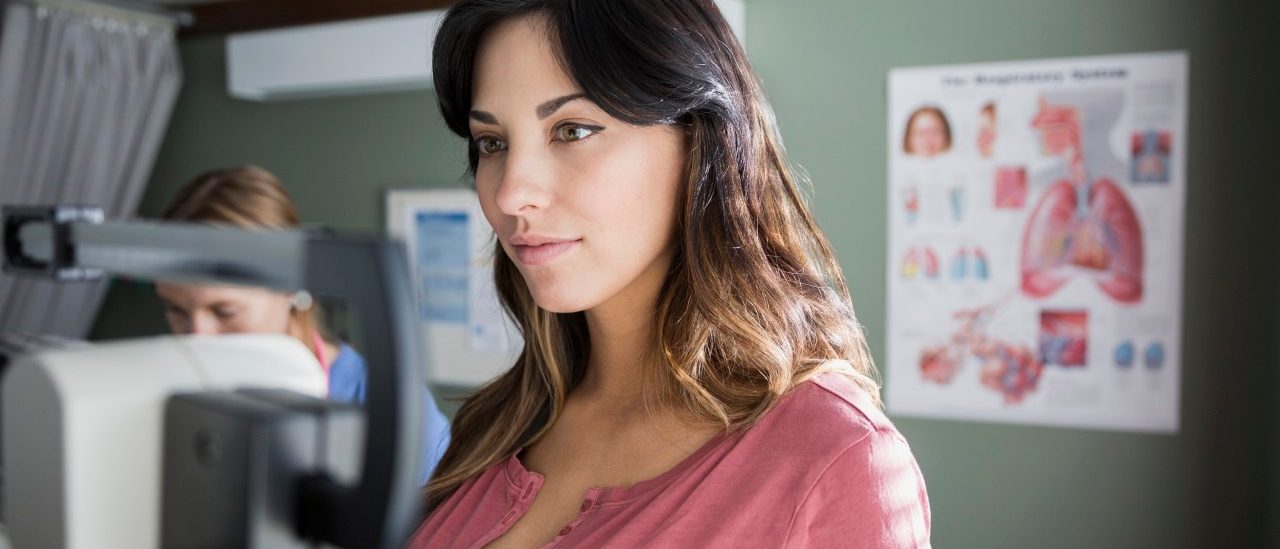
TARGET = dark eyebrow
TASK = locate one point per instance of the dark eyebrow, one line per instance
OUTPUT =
(484, 117)
(546, 109)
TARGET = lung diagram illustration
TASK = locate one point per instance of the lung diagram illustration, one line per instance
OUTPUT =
(1081, 226)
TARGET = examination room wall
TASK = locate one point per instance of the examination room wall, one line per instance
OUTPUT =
(824, 64)
(336, 156)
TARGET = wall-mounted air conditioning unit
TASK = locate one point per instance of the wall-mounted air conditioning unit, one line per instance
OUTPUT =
(378, 54)
(390, 53)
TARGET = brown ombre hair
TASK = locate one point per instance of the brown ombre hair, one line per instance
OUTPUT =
(754, 302)
(246, 197)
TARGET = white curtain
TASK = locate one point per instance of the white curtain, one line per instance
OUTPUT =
(84, 102)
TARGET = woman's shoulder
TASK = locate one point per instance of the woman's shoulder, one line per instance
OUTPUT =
(348, 358)
(819, 423)
(862, 462)
(828, 446)
(832, 405)
(347, 375)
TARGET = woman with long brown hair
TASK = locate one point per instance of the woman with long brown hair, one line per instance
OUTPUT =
(693, 374)
(249, 197)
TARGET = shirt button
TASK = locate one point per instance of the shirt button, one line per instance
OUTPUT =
(565, 531)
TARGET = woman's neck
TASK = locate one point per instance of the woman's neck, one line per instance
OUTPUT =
(622, 341)
(620, 349)
(309, 339)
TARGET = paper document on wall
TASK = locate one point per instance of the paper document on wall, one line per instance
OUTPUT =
(442, 256)
(467, 335)
(1036, 215)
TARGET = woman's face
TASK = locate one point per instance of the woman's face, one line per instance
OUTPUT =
(213, 310)
(585, 205)
(927, 135)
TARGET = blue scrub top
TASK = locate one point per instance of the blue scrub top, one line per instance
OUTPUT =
(347, 383)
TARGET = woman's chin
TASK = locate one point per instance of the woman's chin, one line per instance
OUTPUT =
(560, 300)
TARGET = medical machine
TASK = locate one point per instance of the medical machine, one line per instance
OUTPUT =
(209, 441)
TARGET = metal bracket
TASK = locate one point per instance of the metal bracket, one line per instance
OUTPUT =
(62, 263)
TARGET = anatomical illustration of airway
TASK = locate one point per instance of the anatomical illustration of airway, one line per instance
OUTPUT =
(1064, 337)
(1080, 227)
(1010, 368)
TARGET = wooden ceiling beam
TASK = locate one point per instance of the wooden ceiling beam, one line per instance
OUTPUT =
(249, 15)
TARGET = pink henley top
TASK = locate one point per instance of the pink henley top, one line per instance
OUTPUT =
(823, 468)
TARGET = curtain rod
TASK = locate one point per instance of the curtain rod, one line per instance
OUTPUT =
(121, 10)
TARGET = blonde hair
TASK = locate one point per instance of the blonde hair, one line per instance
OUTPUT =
(246, 197)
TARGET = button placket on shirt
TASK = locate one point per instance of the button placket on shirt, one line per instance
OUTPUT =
(509, 516)
(524, 497)
(507, 519)
(587, 504)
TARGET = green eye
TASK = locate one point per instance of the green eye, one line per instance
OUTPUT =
(573, 132)
(489, 145)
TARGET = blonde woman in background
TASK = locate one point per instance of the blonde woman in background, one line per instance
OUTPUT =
(250, 197)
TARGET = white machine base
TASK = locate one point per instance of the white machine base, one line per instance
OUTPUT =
(83, 429)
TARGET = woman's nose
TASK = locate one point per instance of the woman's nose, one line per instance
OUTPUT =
(525, 183)
(202, 324)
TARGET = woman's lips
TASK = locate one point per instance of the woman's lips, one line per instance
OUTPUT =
(543, 254)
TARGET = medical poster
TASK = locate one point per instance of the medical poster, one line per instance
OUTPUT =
(1036, 213)
(466, 334)
(442, 261)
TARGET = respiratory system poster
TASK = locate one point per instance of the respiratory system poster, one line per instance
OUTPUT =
(1035, 247)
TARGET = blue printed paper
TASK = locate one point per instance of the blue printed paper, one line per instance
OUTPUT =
(442, 255)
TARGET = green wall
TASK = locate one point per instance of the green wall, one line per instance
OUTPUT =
(336, 156)
(824, 64)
